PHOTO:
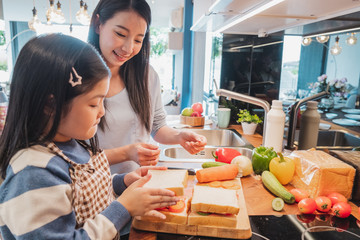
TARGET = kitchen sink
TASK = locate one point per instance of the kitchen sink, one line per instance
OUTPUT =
(337, 139)
(215, 138)
(181, 155)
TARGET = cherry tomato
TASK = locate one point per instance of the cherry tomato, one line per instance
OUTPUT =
(307, 205)
(341, 224)
(299, 194)
(336, 197)
(323, 204)
(306, 218)
(341, 209)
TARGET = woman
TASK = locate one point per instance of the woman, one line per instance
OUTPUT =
(119, 29)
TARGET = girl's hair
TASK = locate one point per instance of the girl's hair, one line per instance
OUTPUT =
(40, 92)
(135, 71)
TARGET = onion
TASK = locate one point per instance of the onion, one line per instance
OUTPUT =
(244, 165)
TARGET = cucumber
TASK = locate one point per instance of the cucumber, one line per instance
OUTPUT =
(277, 204)
(212, 164)
(273, 185)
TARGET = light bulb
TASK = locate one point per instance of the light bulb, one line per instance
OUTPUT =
(322, 38)
(336, 49)
(82, 15)
(51, 13)
(306, 41)
(34, 24)
(351, 40)
(59, 18)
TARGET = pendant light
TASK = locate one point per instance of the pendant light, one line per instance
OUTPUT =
(322, 38)
(336, 49)
(34, 23)
(59, 14)
(82, 15)
(306, 41)
(351, 40)
(51, 13)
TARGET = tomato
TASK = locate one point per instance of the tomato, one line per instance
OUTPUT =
(299, 194)
(340, 223)
(336, 197)
(341, 209)
(197, 107)
(306, 218)
(307, 205)
(323, 204)
(283, 168)
(178, 207)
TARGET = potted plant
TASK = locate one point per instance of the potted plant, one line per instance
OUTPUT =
(248, 121)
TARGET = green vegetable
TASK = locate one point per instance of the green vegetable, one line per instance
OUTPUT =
(261, 158)
(274, 186)
(212, 164)
(203, 213)
(277, 204)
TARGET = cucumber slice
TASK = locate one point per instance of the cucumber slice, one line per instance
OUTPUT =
(277, 204)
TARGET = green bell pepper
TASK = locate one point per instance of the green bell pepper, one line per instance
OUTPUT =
(261, 157)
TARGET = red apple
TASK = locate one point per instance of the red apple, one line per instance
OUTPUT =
(195, 114)
(197, 107)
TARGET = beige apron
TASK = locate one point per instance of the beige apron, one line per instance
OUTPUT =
(91, 185)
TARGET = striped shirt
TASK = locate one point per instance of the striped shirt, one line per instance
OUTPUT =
(36, 198)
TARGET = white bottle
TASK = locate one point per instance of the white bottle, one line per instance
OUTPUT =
(275, 123)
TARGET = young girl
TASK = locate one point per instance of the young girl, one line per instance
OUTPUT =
(120, 30)
(56, 184)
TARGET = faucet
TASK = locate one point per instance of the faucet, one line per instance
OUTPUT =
(293, 116)
(248, 99)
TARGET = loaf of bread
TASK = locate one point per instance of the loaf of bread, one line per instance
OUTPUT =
(214, 200)
(212, 219)
(320, 173)
(174, 180)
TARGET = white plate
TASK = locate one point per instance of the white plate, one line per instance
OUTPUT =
(353, 111)
(346, 122)
(353, 116)
(331, 115)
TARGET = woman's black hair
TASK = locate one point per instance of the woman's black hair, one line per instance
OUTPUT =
(40, 92)
(135, 71)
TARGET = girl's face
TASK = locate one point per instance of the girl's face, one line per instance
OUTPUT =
(121, 37)
(84, 115)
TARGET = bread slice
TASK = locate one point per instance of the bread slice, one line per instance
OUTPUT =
(179, 218)
(174, 180)
(214, 200)
(213, 219)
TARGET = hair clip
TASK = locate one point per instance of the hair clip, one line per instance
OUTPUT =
(78, 81)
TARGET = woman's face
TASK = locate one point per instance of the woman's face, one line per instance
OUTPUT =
(84, 115)
(121, 37)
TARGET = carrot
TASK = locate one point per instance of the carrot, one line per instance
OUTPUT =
(227, 184)
(225, 172)
(215, 184)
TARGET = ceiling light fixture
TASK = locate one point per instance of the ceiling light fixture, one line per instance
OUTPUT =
(34, 23)
(351, 40)
(247, 15)
(322, 38)
(306, 41)
(51, 13)
(59, 14)
(82, 15)
(336, 49)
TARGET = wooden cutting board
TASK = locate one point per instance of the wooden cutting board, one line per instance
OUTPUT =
(242, 230)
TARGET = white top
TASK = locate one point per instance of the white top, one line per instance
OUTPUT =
(123, 127)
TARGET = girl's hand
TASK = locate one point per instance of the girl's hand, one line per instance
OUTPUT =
(192, 142)
(144, 154)
(139, 173)
(140, 201)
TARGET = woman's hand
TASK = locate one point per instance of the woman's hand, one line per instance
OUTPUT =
(192, 142)
(142, 201)
(139, 173)
(143, 153)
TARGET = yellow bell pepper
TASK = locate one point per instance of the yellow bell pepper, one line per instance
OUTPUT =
(283, 168)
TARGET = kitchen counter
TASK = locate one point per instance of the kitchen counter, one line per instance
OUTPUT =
(287, 224)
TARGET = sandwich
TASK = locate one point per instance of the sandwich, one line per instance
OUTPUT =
(214, 206)
(174, 180)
